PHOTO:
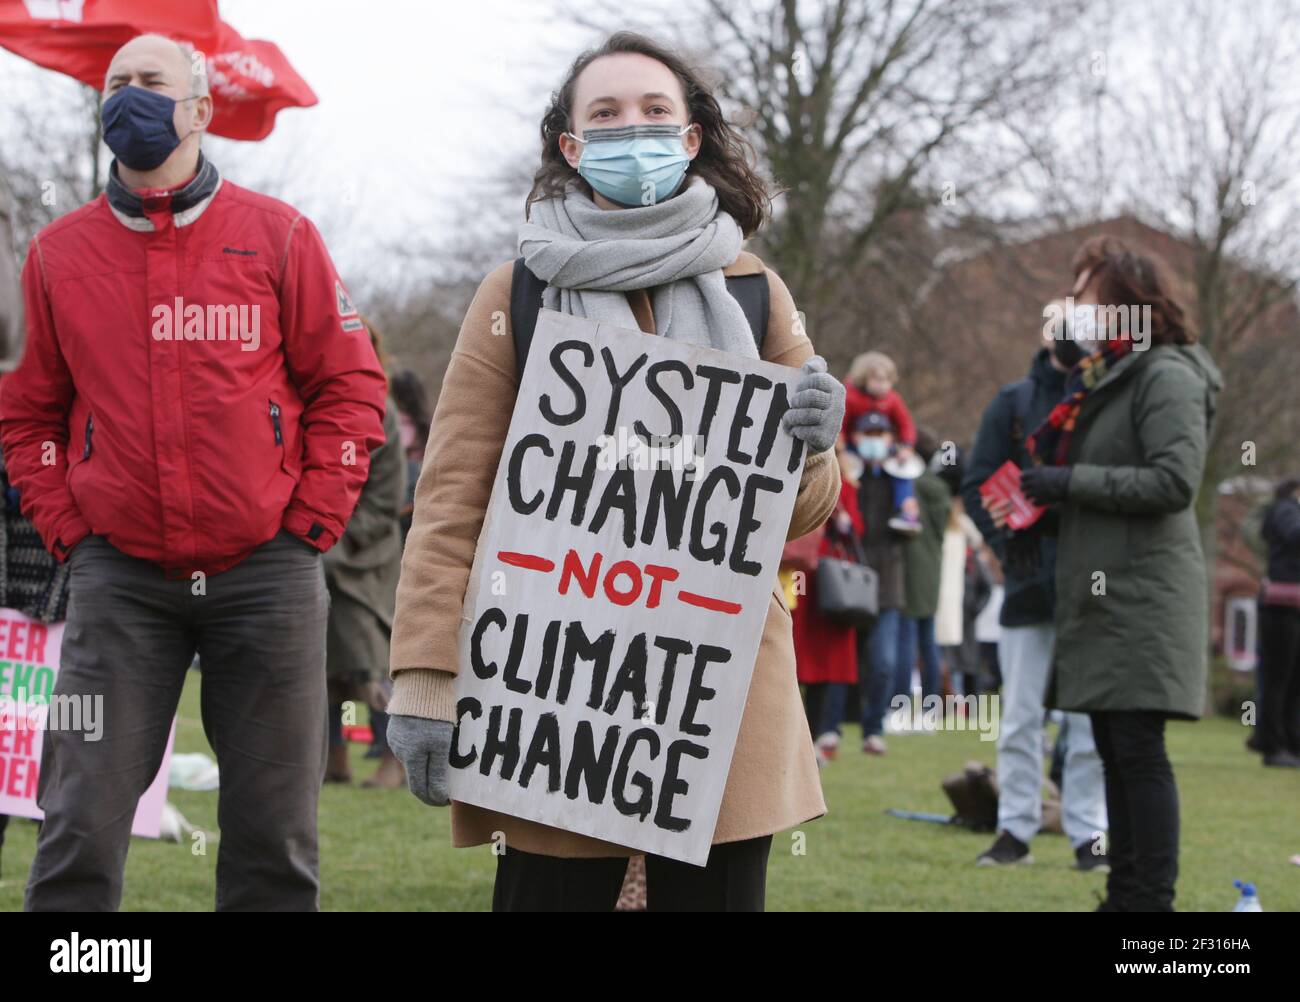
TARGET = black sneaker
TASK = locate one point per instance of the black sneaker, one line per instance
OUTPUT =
(1006, 850)
(1090, 857)
(1282, 759)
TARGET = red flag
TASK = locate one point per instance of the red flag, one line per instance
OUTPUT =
(250, 80)
(79, 37)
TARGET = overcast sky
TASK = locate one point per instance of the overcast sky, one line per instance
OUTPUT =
(418, 100)
(423, 103)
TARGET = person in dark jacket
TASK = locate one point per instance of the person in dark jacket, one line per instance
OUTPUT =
(1028, 559)
(414, 419)
(1279, 631)
(362, 573)
(924, 556)
(1122, 455)
(882, 547)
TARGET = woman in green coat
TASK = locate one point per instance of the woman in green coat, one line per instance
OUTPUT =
(1123, 455)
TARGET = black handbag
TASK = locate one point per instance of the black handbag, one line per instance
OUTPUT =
(848, 590)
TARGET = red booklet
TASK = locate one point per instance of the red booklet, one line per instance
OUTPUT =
(1004, 485)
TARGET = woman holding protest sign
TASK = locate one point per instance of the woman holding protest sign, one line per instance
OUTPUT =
(1122, 455)
(636, 219)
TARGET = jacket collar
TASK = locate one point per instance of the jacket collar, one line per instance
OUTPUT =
(186, 204)
(1122, 369)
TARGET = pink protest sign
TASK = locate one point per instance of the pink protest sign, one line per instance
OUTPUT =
(29, 665)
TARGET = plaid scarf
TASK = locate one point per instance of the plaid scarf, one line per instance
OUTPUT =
(1050, 442)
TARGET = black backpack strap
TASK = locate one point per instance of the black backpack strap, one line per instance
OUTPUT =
(751, 291)
(525, 303)
(755, 298)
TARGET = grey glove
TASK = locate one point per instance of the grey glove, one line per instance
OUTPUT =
(817, 407)
(422, 746)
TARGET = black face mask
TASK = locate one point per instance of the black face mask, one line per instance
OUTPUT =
(1066, 350)
(138, 127)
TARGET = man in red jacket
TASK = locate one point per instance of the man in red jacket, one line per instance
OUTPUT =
(189, 428)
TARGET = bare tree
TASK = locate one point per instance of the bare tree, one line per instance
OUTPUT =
(861, 108)
(1216, 153)
(51, 155)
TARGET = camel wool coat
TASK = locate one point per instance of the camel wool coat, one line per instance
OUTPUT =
(773, 783)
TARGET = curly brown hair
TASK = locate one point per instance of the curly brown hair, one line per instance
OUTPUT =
(726, 159)
(1129, 276)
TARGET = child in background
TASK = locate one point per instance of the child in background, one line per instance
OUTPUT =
(870, 388)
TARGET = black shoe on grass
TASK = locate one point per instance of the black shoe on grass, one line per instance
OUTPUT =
(1090, 857)
(1006, 850)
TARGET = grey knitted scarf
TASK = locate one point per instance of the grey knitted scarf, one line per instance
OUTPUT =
(591, 256)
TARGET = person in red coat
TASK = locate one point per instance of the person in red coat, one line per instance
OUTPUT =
(189, 430)
(825, 653)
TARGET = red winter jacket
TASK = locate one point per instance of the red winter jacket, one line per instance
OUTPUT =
(189, 451)
(858, 402)
(825, 651)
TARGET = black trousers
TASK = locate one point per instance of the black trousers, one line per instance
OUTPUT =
(131, 634)
(1279, 689)
(734, 880)
(1142, 804)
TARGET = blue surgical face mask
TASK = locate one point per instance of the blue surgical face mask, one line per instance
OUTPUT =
(873, 448)
(634, 165)
(139, 127)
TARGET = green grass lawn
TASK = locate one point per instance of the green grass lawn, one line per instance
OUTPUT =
(383, 850)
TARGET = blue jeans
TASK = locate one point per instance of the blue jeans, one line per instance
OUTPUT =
(877, 667)
(911, 633)
(881, 668)
(825, 706)
(902, 491)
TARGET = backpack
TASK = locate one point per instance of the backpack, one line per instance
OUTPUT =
(751, 291)
(973, 793)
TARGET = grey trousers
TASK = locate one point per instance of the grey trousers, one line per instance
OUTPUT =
(131, 635)
(1025, 654)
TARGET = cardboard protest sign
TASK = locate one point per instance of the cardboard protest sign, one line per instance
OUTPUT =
(620, 586)
(29, 665)
(1004, 485)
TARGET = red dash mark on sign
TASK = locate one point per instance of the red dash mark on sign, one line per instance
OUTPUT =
(704, 602)
(528, 561)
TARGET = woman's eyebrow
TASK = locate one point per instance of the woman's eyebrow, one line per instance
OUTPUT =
(651, 96)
